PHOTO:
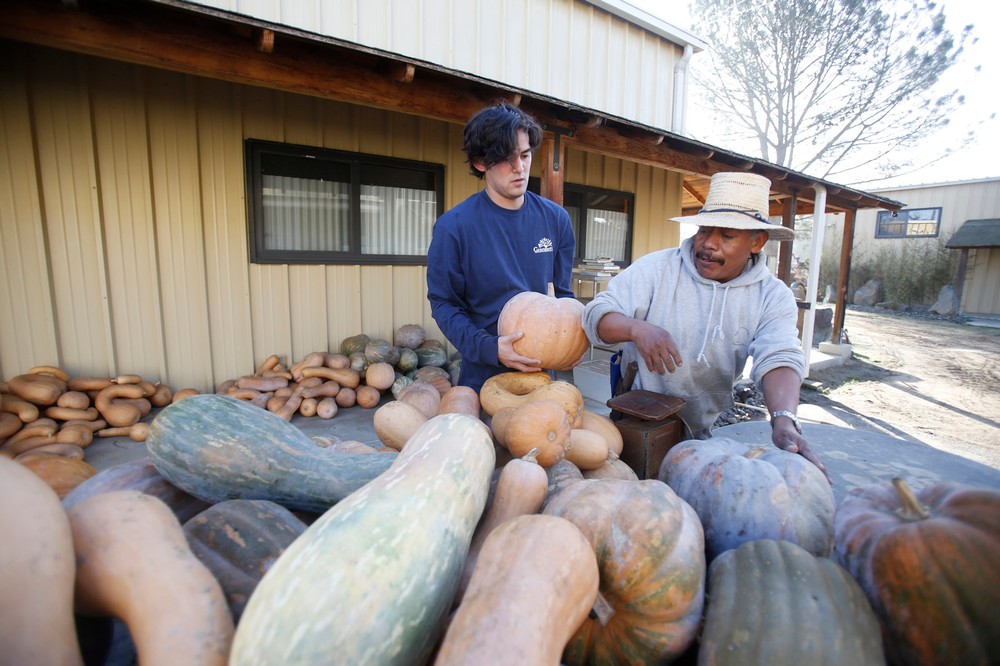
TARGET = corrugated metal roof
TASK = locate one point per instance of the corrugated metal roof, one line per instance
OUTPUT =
(976, 233)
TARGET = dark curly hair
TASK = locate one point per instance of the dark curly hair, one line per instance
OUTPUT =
(491, 135)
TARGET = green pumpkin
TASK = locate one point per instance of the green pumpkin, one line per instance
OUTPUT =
(771, 602)
(355, 343)
(744, 491)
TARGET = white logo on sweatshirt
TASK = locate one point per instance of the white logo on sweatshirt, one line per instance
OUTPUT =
(544, 245)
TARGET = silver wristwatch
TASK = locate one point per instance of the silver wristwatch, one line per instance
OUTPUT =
(793, 417)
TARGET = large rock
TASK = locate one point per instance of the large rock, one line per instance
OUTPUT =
(870, 293)
(822, 326)
(947, 303)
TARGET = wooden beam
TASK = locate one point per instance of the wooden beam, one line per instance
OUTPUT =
(263, 40)
(401, 72)
(694, 193)
(645, 136)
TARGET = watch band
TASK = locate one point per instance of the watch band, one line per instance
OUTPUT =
(793, 417)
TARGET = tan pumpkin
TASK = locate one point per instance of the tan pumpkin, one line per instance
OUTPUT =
(520, 490)
(523, 604)
(460, 400)
(423, 396)
(367, 397)
(587, 449)
(552, 328)
(606, 428)
(512, 389)
(540, 425)
(395, 422)
(37, 572)
(613, 468)
(380, 376)
(498, 425)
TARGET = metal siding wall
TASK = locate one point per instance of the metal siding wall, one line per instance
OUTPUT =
(226, 289)
(71, 214)
(565, 49)
(27, 328)
(133, 256)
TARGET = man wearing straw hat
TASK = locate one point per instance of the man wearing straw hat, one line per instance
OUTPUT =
(691, 316)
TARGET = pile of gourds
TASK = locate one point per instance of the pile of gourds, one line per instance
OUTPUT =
(321, 383)
(479, 541)
(48, 418)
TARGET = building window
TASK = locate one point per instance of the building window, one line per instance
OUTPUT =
(319, 206)
(908, 223)
(602, 221)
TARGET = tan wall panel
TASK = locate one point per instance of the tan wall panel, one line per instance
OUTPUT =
(343, 303)
(226, 253)
(179, 228)
(120, 135)
(27, 327)
(72, 220)
(981, 294)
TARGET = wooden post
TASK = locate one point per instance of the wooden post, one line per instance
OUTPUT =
(846, 248)
(785, 247)
(963, 263)
(553, 157)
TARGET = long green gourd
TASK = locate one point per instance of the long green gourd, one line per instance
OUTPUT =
(218, 448)
(372, 581)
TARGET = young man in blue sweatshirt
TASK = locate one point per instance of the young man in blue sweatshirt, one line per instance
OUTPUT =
(691, 316)
(497, 243)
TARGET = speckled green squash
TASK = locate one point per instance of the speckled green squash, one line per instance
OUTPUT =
(372, 581)
(771, 602)
(220, 448)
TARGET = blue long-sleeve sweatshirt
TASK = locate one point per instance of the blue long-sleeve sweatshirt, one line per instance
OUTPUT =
(480, 256)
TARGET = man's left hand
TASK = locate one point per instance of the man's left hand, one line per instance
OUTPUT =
(786, 438)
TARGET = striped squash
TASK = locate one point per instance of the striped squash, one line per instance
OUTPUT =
(372, 581)
(217, 448)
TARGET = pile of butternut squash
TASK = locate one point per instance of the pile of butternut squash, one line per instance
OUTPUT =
(48, 418)
(360, 373)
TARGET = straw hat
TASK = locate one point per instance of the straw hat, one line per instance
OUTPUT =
(738, 200)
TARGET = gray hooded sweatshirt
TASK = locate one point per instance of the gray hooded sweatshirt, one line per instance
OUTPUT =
(715, 325)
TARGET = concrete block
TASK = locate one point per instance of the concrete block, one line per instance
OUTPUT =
(835, 350)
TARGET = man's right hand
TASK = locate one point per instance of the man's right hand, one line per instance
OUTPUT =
(511, 359)
(656, 346)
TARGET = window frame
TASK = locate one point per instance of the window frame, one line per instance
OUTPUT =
(255, 148)
(583, 191)
(884, 216)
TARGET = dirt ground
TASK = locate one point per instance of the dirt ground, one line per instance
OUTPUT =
(918, 378)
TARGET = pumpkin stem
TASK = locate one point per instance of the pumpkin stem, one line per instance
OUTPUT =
(603, 610)
(531, 456)
(755, 453)
(550, 290)
(911, 510)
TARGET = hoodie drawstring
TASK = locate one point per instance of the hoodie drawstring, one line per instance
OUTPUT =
(717, 332)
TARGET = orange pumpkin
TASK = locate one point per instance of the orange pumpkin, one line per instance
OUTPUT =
(651, 554)
(541, 425)
(552, 328)
(928, 564)
(512, 389)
